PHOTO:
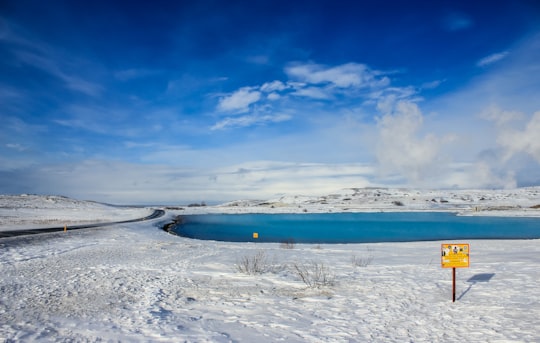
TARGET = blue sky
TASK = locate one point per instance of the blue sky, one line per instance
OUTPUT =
(181, 101)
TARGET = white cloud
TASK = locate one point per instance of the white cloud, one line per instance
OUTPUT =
(239, 101)
(500, 117)
(492, 117)
(416, 159)
(314, 92)
(273, 86)
(273, 96)
(432, 84)
(306, 80)
(492, 59)
(516, 136)
(525, 141)
(400, 150)
(296, 84)
(16, 146)
(271, 178)
(478, 174)
(342, 76)
(411, 149)
(387, 98)
(128, 183)
(250, 120)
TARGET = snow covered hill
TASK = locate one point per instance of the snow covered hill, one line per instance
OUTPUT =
(38, 211)
(516, 202)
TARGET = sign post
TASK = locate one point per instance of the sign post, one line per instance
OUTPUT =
(455, 255)
(453, 285)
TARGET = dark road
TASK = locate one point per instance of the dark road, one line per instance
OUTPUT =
(14, 233)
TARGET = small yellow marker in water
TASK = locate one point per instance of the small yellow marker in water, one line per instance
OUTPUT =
(255, 235)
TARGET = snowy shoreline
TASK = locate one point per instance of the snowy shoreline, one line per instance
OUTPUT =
(33, 211)
(134, 282)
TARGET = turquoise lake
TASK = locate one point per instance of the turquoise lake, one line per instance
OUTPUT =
(354, 227)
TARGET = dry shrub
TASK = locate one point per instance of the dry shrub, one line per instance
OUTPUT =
(255, 264)
(364, 260)
(287, 244)
(314, 274)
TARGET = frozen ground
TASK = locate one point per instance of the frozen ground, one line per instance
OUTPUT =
(134, 282)
(33, 211)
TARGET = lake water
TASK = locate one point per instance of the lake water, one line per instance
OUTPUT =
(354, 227)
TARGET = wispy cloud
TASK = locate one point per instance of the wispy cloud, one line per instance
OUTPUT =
(456, 21)
(51, 60)
(239, 101)
(16, 146)
(258, 59)
(432, 84)
(20, 126)
(250, 120)
(273, 86)
(131, 74)
(342, 76)
(52, 65)
(110, 121)
(488, 60)
(314, 93)
(10, 94)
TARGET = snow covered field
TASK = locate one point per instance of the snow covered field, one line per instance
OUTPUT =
(33, 211)
(134, 282)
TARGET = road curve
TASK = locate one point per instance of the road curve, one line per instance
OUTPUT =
(14, 233)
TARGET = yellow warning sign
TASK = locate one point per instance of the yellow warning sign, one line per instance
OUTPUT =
(455, 255)
(255, 235)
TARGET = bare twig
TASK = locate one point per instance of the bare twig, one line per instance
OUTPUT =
(314, 274)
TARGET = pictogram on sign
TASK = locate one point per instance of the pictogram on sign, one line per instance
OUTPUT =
(455, 255)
